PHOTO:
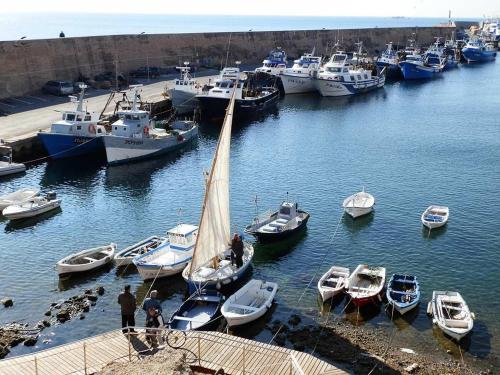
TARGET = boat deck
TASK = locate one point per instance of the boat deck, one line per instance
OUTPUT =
(212, 350)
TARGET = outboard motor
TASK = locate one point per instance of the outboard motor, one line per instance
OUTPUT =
(51, 195)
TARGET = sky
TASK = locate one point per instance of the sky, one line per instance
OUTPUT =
(380, 8)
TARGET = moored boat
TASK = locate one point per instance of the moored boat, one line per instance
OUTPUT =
(199, 312)
(249, 303)
(86, 260)
(389, 60)
(18, 197)
(451, 314)
(274, 64)
(183, 94)
(416, 67)
(211, 266)
(133, 137)
(476, 50)
(32, 207)
(333, 282)
(7, 166)
(435, 216)
(299, 78)
(169, 257)
(403, 292)
(126, 256)
(77, 133)
(359, 204)
(365, 285)
(280, 224)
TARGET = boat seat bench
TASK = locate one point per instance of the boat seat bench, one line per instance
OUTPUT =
(89, 259)
(243, 307)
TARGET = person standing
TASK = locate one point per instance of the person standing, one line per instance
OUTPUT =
(237, 251)
(128, 306)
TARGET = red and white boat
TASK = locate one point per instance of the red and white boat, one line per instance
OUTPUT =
(365, 285)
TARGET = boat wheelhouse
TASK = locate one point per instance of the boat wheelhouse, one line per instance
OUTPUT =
(77, 133)
(274, 64)
(299, 78)
(389, 60)
(183, 94)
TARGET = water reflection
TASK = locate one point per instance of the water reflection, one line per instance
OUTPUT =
(403, 321)
(359, 316)
(268, 253)
(31, 222)
(78, 279)
(358, 224)
(434, 233)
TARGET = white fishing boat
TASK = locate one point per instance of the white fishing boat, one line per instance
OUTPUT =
(365, 285)
(183, 94)
(249, 303)
(7, 166)
(133, 137)
(300, 77)
(18, 197)
(211, 266)
(359, 204)
(124, 257)
(451, 314)
(32, 207)
(435, 216)
(333, 282)
(170, 257)
(274, 64)
(86, 260)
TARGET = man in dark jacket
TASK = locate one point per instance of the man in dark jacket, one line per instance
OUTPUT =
(128, 305)
(237, 251)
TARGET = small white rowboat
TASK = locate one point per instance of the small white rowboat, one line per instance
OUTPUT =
(333, 282)
(359, 204)
(17, 197)
(451, 314)
(126, 256)
(249, 303)
(86, 260)
(435, 216)
(32, 207)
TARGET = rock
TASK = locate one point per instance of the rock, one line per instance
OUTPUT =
(7, 302)
(448, 351)
(82, 316)
(46, 323)
(63, 315)
(294, 320)
(86, 307)
(100, 290)
(92, 304)
(91, 298)
(411, 368)
(16, 341)
(88, 291)
(53, 304)
(48, 313)
(4, 351)
(47, 341)
(31, 341)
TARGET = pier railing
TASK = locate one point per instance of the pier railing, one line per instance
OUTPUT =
(210, 350)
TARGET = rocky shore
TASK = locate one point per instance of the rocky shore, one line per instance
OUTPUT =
(14, 333)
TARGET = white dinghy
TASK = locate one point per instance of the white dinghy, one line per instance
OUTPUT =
(249, 303)
(435, 216)
(17, 197)
(365, 285)
(359, 204)
(333, 282)
(32, 207)
(126, 256)
(451, 314)
(211, 266)
(86, 260)
(170, 257)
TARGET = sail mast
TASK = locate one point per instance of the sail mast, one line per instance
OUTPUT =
(214, 221)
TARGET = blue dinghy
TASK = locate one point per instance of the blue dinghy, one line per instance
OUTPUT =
(403, 292)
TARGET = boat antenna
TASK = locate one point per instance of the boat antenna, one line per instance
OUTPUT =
(179, 214)
(256, 201)
(227, 51)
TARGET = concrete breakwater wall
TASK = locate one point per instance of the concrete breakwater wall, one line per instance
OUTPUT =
(25, 65)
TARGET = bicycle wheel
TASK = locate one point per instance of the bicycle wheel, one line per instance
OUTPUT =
(176, 339)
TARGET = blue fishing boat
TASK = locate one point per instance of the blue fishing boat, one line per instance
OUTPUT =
(274, 63)
(389, 60)
(77, 133)
(438, 54)
(403, 292)
(417, 67)
(477, 50)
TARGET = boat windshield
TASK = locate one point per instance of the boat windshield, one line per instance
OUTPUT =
(285, 210)
(334, 69)
(339, 58)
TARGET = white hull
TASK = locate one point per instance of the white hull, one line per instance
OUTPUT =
(249, 303)
(333, 282)
(183, 101)
(357, 212)
(150, 273)
(124, 149)
(22, 212)
(297, 84)
(126, 256)
(17, 197)
(11, 168)
(451, 314)
(358, 204)
(435, 216)
(86, 260)
(328, 87)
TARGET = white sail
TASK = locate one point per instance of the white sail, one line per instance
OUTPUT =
(214, 229)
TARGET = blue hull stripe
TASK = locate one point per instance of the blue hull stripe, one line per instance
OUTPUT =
(65, 146)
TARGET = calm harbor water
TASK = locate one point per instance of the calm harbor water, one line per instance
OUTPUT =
(15, 25)
(409, 144)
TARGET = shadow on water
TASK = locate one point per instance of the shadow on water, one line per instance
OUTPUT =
(166, 287)
(403, 321)
(358, 224)
(31, 222)
(331, 305)
(265, 253)
(434, 233)
(362, 315)
(253, 329)
(72, 281)
(83, 170)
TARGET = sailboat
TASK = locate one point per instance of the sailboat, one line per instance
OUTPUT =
(211, 265)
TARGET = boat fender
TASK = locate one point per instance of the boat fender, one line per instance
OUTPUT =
(92, 129)
(379, 297)
(473, 316)
(180, 138)
(146, 130)
(429, 309)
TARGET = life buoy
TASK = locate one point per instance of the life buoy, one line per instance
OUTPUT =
(146, 130)
(92, 128)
